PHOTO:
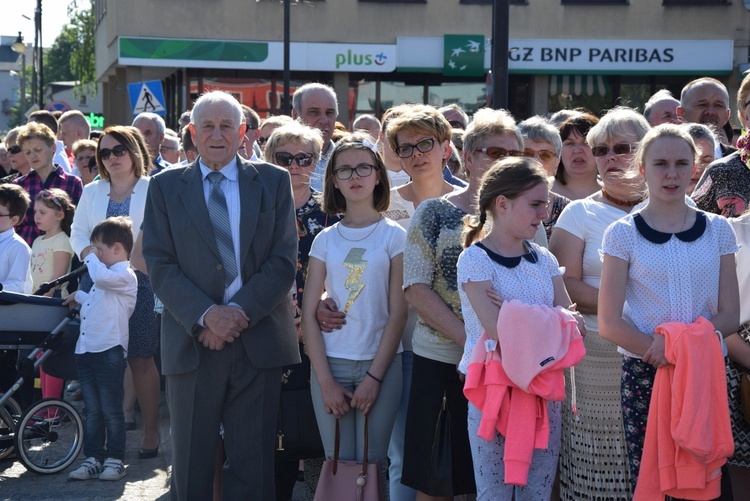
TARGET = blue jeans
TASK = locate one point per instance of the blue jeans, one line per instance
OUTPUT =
(101, 375)
(350, 373)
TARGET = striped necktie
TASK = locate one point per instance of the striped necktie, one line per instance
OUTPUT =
(217, 211)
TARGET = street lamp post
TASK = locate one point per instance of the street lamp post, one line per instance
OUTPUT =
(38, 51)
(500, 34)
(20, 48)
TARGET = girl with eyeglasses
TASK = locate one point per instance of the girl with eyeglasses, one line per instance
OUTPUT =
(576, 174)
(123, 160)
(359, 263)
(297, 148)
(593, 458)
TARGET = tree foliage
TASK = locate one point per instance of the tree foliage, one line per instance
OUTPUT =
(71, 56)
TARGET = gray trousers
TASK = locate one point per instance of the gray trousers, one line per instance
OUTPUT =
(226, 388)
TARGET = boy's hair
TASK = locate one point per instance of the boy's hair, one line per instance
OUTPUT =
(15, 199)
(57, 199)
(114, 230)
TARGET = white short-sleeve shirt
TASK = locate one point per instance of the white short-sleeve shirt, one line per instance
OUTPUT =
(527, 278)
(358, 264)
(671, 277)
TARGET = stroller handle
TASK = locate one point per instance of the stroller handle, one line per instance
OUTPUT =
(48, 286)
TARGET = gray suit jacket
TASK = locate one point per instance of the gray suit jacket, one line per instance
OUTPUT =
(185, 266)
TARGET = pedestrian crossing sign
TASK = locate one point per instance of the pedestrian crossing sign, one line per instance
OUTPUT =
(147, 96)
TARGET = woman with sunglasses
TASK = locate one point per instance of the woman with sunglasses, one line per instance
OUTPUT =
(18, 163)
(542, 142)
(123, 160)
(297, 148)
(593, 458)
(269, 125)
(576, 174)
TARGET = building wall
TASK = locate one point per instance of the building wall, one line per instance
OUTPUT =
(351, 21)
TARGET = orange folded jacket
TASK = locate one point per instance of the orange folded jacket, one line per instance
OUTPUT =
(688, 432)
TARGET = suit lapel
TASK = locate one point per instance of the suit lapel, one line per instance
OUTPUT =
(194, 206)
(250, 198)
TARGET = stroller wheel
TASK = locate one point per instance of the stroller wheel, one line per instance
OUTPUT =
(6, 429)
(49, 436)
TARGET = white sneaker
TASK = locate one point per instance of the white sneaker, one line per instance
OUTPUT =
(113, 470)
(91, 468)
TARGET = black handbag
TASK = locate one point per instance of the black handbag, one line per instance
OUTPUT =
(440, 476)
(297, 434)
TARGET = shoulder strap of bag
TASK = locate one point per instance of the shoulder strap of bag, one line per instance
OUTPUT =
(337, 443)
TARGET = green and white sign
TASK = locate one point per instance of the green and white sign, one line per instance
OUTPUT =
(234, 54)
(463, 55)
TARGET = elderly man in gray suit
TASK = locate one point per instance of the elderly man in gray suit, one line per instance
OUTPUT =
(220, 242)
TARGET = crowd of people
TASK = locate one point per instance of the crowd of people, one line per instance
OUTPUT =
(548, 309)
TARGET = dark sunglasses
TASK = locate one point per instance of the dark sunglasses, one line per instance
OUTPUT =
(617, 149)
(14, 150)
(118, 151)
(497, 152)
(285, 159)
(262, 140)
(362, 170)
(456, 124)
(423, 146)
(544, 155)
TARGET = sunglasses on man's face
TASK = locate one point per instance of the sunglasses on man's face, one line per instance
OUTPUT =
(544, 155)
(456, 124)
(14, 150)
(284, 159)
(118, 151)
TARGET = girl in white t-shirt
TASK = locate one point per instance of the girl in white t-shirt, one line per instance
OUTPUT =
(50, 256)
(359, 263)
(668, 262)
(499, 266)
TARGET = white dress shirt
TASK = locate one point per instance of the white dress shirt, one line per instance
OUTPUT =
(231, 188)
(15, 263)
(106, 309)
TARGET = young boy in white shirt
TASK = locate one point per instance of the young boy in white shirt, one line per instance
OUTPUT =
(102, 347)
(15, 254)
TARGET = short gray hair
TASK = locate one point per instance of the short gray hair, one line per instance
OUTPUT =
(662, 95)
(488, 122)
(301, 91)
(217, 97)
(294, 131)
(537, 128)
(619, 121)
(152, 117)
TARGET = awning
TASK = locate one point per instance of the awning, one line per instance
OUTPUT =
(578, 85)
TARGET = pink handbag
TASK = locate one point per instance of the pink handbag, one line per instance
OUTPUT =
(349, 480)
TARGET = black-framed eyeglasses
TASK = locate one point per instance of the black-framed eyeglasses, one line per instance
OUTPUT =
(261, 140)
(496, 152)
(6, 215)
(617, 149)
(544, 155)
(14, 150)
(118, 151)
(362, 170)
(423, 146)
(285, 159)
(456, 124)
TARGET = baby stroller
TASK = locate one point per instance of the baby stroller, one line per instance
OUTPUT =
(48, 435)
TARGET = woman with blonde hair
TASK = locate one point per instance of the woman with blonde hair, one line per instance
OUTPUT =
(593, 458)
